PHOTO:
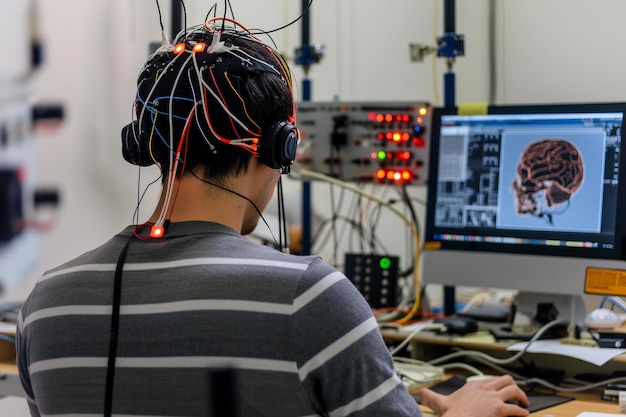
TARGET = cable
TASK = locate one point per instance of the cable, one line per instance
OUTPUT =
(539, 381)
(283, 239)
(492, 359)
(242, 196)
(307, 174)
(306, 9)
(182, 3)
(160, 15)
(115, 320)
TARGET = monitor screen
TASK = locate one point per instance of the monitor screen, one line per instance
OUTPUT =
(526, 197)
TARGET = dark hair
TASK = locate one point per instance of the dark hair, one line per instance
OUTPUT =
(207, 98)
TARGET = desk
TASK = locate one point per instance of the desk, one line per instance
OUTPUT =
(583, 402)
(586, 401)
(9, 378)
(430, 345)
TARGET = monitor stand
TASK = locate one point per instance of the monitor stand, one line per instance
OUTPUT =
(571, 308)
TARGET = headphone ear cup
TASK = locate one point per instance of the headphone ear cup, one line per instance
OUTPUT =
(277, 149)
(135, 146)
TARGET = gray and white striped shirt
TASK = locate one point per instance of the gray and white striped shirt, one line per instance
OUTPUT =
(298, 335)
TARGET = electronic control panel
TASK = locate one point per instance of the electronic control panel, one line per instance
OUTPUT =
(376, 142)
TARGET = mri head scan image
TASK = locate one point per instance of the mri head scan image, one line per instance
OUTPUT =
(549, 173)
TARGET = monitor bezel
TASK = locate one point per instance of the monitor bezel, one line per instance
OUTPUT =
(615, 253)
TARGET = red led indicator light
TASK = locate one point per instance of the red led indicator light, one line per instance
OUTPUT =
(422, 111)
(380, 174)
(179, 48)
(157, 231)
(397, 137)
(380, 118)
(419, 142)
(405, 156)
(388, 118)
(371, 116)
(199, 47)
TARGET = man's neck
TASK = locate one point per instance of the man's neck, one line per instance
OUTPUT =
(195, 200)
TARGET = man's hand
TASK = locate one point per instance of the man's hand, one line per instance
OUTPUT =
(484, 398)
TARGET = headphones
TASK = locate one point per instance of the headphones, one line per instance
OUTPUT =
(277, 148)
(223, 63)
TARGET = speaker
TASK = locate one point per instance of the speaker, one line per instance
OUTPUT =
(277, 149)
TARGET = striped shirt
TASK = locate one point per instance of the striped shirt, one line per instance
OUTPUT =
(297, 336)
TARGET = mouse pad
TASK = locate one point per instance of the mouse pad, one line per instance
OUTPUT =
(537, 401)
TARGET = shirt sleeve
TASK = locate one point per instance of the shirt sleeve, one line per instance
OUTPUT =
(342, 359)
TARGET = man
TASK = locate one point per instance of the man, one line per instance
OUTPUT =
(144, 324)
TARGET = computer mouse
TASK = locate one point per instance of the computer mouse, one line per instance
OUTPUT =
(602, 318)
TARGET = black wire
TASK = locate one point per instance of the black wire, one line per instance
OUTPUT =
(288, 24)
(333, 226)
(160, 16)
(141, 195)
(242, 196)
(184, 19)
(407, 201)
(374, 220)
(225, 12)
(114, 332)
(212, 9)
(230, 7)
(282, 222)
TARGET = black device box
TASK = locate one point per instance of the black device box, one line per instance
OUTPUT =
(375, 276)
(612, 339)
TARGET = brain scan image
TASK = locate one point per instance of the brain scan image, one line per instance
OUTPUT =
(549, 173)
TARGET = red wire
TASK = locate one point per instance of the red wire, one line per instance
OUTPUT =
(219, 91)
(184, 138)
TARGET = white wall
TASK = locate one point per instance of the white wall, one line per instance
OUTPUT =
(545, 51)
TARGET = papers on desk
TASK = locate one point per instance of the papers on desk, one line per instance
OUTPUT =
(588, 414)
(596, 356)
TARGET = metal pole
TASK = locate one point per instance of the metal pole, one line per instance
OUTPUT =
(177, 18)
(306, 96)
(449, 291)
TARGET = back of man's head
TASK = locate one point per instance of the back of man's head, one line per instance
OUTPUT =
(212, 100)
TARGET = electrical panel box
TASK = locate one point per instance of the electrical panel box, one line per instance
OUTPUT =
(376, 142)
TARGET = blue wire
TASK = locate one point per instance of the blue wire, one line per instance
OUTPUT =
(7, 338)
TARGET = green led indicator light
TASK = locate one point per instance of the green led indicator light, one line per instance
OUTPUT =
(385, 263)
(382, 154)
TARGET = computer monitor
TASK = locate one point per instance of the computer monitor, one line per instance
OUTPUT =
(526, 197)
